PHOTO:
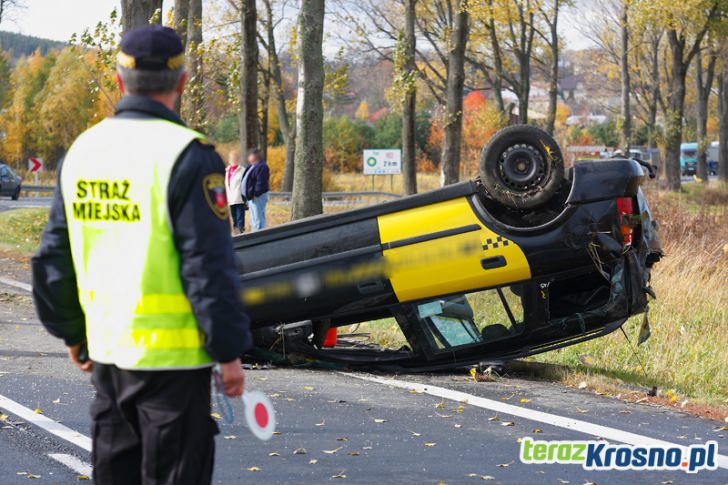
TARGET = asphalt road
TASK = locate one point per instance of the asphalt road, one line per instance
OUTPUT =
(352, 430)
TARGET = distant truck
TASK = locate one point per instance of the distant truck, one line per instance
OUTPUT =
(688, 158)
(713, 158)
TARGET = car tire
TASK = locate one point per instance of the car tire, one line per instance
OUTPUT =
(521, 167)
(16, 194)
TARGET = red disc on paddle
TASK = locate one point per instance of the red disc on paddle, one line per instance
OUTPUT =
(259, 414)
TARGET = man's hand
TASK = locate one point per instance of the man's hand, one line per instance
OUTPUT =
(233, 378)
(73, 354)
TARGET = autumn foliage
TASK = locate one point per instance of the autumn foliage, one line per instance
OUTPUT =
(480, 121)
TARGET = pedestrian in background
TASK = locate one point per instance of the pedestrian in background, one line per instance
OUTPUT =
(233, 180)
(255, 188)
(136, 265)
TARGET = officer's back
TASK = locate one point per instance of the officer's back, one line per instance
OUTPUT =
(136, 265)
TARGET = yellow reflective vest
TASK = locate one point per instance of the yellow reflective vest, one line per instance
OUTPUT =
(114, 182)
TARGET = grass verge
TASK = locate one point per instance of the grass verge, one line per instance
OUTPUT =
(20, 229)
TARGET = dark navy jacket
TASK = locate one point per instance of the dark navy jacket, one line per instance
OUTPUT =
(257, 181)
(207, 263)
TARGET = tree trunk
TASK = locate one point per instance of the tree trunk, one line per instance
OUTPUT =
(248, 76)
(307, 181)
(180, 18)
(626, 138)
(675, 110)
(654, 93)
(554, 70)
(136, 13)
(703, 87)
(288, 134)
(723, 124)
(194, 105)
(454, 110)
(409, 109)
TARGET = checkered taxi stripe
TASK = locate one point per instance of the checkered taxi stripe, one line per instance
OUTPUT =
(499, 241)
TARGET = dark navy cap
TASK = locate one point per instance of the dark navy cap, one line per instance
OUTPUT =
(151, 47)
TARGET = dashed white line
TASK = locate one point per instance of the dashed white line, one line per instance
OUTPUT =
(16, 284)
(78, 466)
(46, 423)
(531, 414)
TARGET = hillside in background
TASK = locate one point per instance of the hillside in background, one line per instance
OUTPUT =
(23, 45)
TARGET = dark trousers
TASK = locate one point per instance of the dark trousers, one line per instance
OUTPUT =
(237, 212)
(152, 427)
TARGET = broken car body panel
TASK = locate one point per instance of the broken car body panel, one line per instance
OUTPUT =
(427, 260)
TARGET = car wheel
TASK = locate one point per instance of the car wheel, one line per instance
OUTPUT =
(521, 167)
(16, 194)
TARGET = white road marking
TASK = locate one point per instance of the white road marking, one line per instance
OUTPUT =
(16, 284)
(530, 414)
(46, 423)
(78, 466)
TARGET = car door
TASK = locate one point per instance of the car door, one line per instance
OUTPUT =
(6, 180)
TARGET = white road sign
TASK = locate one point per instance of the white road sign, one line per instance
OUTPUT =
(382, 162)
(35, 164)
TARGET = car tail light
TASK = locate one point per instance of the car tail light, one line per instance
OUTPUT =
(626, 209)
(330, 340)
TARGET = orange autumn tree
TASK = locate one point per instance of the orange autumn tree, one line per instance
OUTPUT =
(480, 121)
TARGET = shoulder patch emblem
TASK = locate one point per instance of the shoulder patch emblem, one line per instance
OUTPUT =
(213, 186)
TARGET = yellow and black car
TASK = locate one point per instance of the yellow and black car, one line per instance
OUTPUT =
(523, 260)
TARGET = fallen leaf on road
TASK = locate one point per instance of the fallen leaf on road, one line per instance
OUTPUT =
(506, 398)
(277, 433)
(525, 401)
(353, 453)
(430, 445)
(494, 418)
(580, 410)
(379, 421)
(308, 388)
(508, 423)
(590, 483)
(253, 469)
(37, 410)
(482, 477)
(458, 425)
(504, 465)
(321, 423)
(440, 405)
(415, 391)
(3, 417)
(33, 477)
(299, 451)
(230, 437)
(216, 416)
(562, 481)
(334, 451)
(274, 453)
(666, 482)
(536, 430)
(722, 428)
(312, 461)
(445, 416)
(57, 401)
(338, 475)
(460, 409)
(343, 438)
(83, 477)
(416, 434)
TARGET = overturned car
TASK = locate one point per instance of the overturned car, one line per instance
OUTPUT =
(524, 259)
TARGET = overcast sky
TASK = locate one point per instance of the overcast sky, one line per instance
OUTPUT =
(59, 19)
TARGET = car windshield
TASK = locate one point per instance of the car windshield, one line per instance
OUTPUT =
(689, 153)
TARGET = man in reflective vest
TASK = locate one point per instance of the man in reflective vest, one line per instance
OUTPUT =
(136, 265)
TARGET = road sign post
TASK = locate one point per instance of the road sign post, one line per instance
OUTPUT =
(35, 165)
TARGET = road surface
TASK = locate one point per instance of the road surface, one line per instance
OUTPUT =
(334, 426)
